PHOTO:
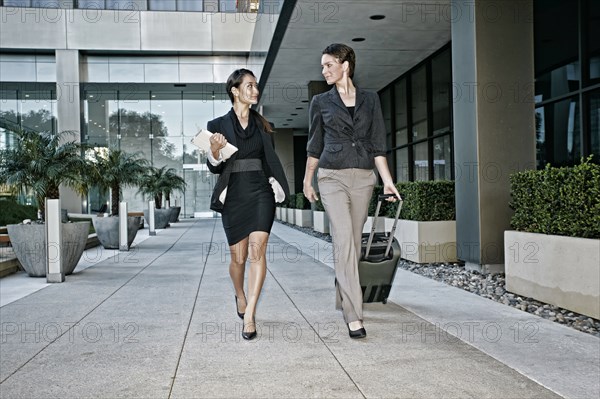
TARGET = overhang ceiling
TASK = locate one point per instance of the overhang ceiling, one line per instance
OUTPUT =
(409, 33)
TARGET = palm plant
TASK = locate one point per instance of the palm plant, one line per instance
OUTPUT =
(42, 162)
(159, 181)
(115, 170)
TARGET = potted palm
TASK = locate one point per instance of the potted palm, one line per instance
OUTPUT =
(114, 170)
(154, 184)
(172, 183)
(42, 162)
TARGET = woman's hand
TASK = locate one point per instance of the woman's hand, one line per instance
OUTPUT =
(390, 188)
(217, 143)
(309, 193)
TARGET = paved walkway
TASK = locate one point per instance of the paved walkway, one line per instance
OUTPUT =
(160, 322)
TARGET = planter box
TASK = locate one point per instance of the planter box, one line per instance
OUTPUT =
(426, 242)
(161, 218)
(174, 215)
(563, 271)
(278, 213)
(290, 215)
(378, 229)
(321, 222)
(303, 217)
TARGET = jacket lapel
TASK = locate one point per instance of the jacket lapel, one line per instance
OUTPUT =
(360, 98)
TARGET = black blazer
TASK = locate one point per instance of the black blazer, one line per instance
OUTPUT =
(340, 141)
(271, 163)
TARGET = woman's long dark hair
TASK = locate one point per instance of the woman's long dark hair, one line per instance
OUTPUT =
(235, 80)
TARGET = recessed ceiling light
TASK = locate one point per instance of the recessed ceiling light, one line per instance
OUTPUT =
(293, 114)
(299, 107)
(377, 17)
(358, 39)
(304, 101)
(285, 124)
(289, 120)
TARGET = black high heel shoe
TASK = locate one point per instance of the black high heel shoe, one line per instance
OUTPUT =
(240, 315)
(356, 334)
(249, 335)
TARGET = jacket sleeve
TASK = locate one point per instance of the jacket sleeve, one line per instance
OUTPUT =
(378, 132)
(218, 169)
(314, 148)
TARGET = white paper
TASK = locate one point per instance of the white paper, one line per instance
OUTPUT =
(202, 141)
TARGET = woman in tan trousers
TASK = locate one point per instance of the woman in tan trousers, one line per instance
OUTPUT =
(346, 142)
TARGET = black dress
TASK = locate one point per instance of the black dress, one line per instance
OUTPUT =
(250, 203)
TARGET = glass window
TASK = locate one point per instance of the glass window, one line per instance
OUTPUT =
(164, 5)
(167, 141)
(123, 4)
(17, 71)
(227, 5)
(161, 73)
(556, 50)
(187, 5)
(421, 162)
(558, 133)
(441, 77)
(49, 3)
(17, 3)
(386, 107)
(38, 110)
(419, 104)
(594, 40)
(9, 116)
(402, 165)
(401, 113)
(442, 158)
(595, 124)
(125, 72)
(91, 4)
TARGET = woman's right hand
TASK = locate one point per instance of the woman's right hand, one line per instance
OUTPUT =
(217, 143)
(310, 193)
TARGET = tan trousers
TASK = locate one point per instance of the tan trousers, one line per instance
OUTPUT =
(345, 194)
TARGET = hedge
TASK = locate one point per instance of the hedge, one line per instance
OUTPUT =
(13, 213)
(301, 202)
(560, 201)
(423, 201)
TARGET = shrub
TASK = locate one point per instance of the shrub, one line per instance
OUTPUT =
(13, 213)
(301, 202)
(560, 201)
(318, 204)
(423, 201)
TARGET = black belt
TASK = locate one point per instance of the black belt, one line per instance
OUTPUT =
(246, 165)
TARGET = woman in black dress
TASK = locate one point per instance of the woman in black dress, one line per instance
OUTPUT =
(249, 185)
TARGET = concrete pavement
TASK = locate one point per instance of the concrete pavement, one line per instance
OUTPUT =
(160, 322)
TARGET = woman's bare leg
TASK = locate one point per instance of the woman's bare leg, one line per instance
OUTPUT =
(257, 248)
(237, 268)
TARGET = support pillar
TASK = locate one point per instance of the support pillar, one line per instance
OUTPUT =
(494, 120)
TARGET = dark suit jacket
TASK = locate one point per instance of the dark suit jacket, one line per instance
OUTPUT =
(340, 141)
(271, 164)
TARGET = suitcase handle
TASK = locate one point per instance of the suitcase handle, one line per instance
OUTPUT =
(380, 198)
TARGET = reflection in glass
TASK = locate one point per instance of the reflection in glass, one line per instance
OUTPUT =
(401, 113)
(421, 162)
(402, 166)
(17, 3)
(556, 50)
(442, 158)
(594, 40)
(441, 69)
(91, 4)
(186, 5)
(163, 5)
(558, 133)
(595, 124)
(419, 104)
(165, 73)
(8, 117)
(385, 98)
(125, 72)
(38, 110)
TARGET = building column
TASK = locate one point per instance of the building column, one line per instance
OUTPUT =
(68, 112)
(494, 120)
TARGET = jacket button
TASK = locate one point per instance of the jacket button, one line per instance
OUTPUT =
(353, 144)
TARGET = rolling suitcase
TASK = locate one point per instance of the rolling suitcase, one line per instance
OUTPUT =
(380, 253)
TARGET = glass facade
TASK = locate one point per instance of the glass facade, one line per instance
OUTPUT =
(159, 125)
(227, 6)
(419, 102)
(567, 79)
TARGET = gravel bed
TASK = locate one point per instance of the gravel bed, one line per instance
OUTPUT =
(491, 286)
